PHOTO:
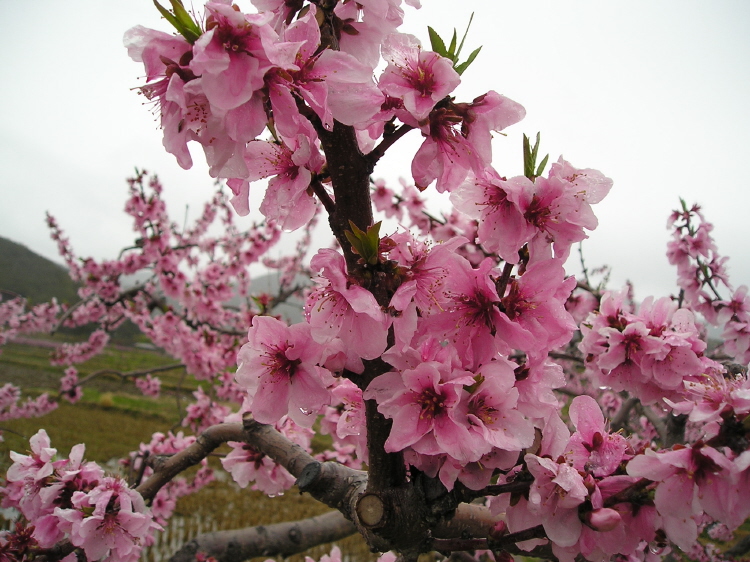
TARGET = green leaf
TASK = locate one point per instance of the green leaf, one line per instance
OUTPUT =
(464, 65)
(540, 169)
(185, 19)
(461, 46)
(190, 32)
(366, 244)
(436, 42)
(452, 49)
(373, 235)
(530, 154)
(535, 151)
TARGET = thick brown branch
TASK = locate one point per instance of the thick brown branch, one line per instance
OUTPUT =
(350, 177)
(165, 470)
(267, 440)
(281, 539)
(470, 521)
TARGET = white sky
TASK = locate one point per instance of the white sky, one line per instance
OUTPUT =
(653, 94)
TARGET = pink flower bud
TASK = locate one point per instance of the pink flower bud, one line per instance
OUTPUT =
(603, 519)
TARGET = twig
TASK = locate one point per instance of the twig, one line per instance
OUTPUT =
(618, 422)
(656, 421)
(388, 141)
(322, 194)
(129, 374)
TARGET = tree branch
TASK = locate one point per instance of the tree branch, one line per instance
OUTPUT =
(655, 420)
(167, 468)
(388, 140)
(130, 374)
(281, 539)
(618, 422)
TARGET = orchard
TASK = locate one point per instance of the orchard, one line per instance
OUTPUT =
(480, 403)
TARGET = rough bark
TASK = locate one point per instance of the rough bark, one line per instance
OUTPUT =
(281, 539)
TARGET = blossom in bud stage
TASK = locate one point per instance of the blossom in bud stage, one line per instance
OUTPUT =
(603, 519)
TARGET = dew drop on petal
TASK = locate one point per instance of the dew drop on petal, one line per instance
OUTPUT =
(306, 412)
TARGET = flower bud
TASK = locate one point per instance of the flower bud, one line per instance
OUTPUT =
(603, 519)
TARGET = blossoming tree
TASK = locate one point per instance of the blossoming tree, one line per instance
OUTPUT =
(478, 399)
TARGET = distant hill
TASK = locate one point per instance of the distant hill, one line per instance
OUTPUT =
(32, 276)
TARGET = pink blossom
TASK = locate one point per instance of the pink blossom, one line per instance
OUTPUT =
(149, 386)
(419, 78)
(111, 520)
(278, 367)
(502, 226)
(423, 405)
(292, 165)
(248, 465)
(340, 308)
(554, 497)
(448, 153)
(231, 55)
(536, 301)
(689, 479)
(592, 448)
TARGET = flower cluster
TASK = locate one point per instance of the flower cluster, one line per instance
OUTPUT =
(69, 498)
(651, 354)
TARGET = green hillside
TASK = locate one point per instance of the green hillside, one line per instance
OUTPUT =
(32, 276)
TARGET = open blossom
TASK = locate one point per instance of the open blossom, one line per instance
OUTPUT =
(149, 386)
(592, 448)
(335, 84)
(652, 353)
(536, 302)
(111, 520)
(291, 164)
(491, 410)
(279, 369)
(419, 78)
(423, 405)
(231, 56)
(339, 308)
(554, 497)
(456, 142)
(247, 465)
(690, 479)
(502, 226)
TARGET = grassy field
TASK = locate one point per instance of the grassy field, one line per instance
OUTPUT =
(113, 418)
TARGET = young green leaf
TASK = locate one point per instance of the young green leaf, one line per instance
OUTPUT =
(437, 43)
(461, 46)
(180, 20)
(464, 65)
(366, 244)
(452, 48)
(530, 154)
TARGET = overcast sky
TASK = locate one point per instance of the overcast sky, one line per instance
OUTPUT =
(652, 93)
